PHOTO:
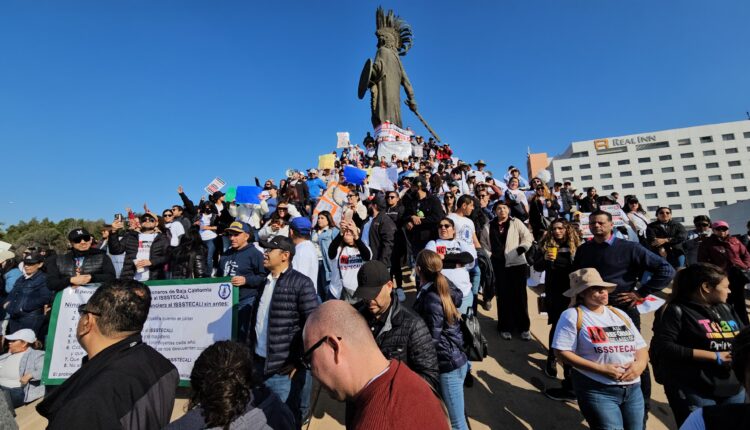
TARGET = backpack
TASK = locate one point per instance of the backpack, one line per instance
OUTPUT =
(660, 371)
(475, 344)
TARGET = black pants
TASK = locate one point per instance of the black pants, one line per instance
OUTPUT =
(737, 281)
(512, 299)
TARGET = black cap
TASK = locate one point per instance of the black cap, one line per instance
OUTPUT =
(279, 242)
(78, 233)
(371, 278)
(216, 195)
(380, 202)
(33, 258)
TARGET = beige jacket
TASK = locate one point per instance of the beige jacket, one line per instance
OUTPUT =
(518, 235)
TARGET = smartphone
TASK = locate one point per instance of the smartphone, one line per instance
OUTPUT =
(348, 215)
(118, 217)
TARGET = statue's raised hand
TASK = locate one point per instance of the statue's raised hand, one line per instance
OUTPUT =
(412, 104)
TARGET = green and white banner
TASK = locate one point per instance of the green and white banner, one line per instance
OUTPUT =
(186, 317)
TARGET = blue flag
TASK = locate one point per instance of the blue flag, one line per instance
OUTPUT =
(354, 176)
(248, 194)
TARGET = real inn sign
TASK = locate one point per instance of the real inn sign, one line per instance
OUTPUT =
(600, 144)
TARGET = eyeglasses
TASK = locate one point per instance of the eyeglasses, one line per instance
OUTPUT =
(148, 220)
(232, 234)
(664, 213)
(82, 310)
(721, 229)
(705, 224)
(81, 239)
(307, 356)
(167, 215)
(281, 208)
(391, 197)
(445, 226)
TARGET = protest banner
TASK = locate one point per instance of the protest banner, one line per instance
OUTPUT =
(402, 150)
(354, 175)
(215, 185)
(387, 132)
(325, 203)
(649, 303)
(619, 219)
(380, 180)
(326, 161)
(248, 194)
(342, 139)
(186, 316)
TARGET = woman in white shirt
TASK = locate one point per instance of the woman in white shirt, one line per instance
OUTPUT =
(607, 353)
(347, 253)
(638, 218)
(458, 258)
(21, 368)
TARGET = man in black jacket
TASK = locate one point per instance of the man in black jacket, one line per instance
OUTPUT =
(399, 332)
(146, 251)
(423, 212)
(665, 236)
(122, 382)
(382, 232)
(81, 265)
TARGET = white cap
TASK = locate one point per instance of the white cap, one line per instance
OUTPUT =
(6, 255)
(25, 334)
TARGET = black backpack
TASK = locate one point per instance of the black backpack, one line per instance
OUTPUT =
(659, 368)
(475, 344)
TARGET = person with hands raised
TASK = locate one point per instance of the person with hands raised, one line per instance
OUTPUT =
(146, 250)
(607, 354)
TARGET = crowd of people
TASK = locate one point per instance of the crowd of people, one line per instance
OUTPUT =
(321, 296)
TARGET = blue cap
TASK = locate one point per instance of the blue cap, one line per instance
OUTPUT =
(301, 225)
(239, 227)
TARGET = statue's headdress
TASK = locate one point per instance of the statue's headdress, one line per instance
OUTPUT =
(390, 23)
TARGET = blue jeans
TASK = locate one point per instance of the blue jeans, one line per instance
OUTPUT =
(16, 395)
(452, 390)
(683, 401)
(609, 407)
(466, 303)
(279, 384)
(300, 394)
(210, 248)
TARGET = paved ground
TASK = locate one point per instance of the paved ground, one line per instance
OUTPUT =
(507, 393)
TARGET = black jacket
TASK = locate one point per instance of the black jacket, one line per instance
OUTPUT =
(95, 263)
(536, 214)
(447, 338)
(402, 335)
(672, 230)
(382, 237)
(294, 299)
(159, 254)
(694, 326)
(126, 386)
(188, 263)
(190, 212)
(29, 296)
(433, 212)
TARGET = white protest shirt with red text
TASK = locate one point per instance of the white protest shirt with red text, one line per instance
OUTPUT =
(604, 338)
(145, 240)
(344, 270)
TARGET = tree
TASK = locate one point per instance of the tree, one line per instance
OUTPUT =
(46, 233)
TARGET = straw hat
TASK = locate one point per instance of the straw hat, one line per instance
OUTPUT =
(582, 279)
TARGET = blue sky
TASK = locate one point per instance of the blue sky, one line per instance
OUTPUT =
(109, 104)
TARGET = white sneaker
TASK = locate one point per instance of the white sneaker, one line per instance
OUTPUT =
(400, 294)
(526, 336)
(506, 335)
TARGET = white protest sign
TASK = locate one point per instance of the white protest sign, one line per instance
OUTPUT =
(650, 304)
(402, 150)
(342, 139)
(379, 180)
(186, 316)
(215, 185)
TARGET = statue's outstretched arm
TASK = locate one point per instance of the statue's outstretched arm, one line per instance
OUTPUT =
(411, 100)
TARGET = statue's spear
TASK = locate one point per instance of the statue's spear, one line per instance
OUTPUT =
(427, 126)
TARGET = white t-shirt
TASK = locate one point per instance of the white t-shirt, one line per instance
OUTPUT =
(604, 338)
(145, 240)
(305, 261)
(177, 231)
(464, 228)
(459, 276)
(207, 234)
(261, 322)
(344, 270)
(10, 369)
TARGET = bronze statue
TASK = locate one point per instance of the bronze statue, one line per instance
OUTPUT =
(385, 76)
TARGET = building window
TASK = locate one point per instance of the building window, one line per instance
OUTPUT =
(644, 159)
(665, 157)
(709, 152)
(707, 139)
(604, 164)
(670, 181)
(697, 205)
(652, 208)
(580, 154)
(649, 184)
(695, 193)
(683, 142)
(679, 219)
(647, 172)
(731, 151)
(714, 178)
(608, 187)
(729, 136)
(686, 155)
(605, 176)
(735, 163)
(566, 168)
(624, 162)
(673, 194)
(738, 176)
(675, 206)
(689, 167)
(746, 135)
(655, 145)
(627, 173)
(667, 169)
(712, 165)
(720, 204)
(651, 196)
(586, 177)
(740, 189)
(717, 190)
(567, 180)
(628, 185)
(692, 180)
(584, 166)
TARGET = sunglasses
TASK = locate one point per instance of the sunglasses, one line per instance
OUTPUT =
(82, 310)
(148, 220)
(232, 234)
(391, 197)
(166, 215)
(721, 229)
(282, 209)
(445, 226)
(703, 225)
(81, 239)
(307, 356)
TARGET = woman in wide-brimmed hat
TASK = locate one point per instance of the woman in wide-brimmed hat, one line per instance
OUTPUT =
(607, 353)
